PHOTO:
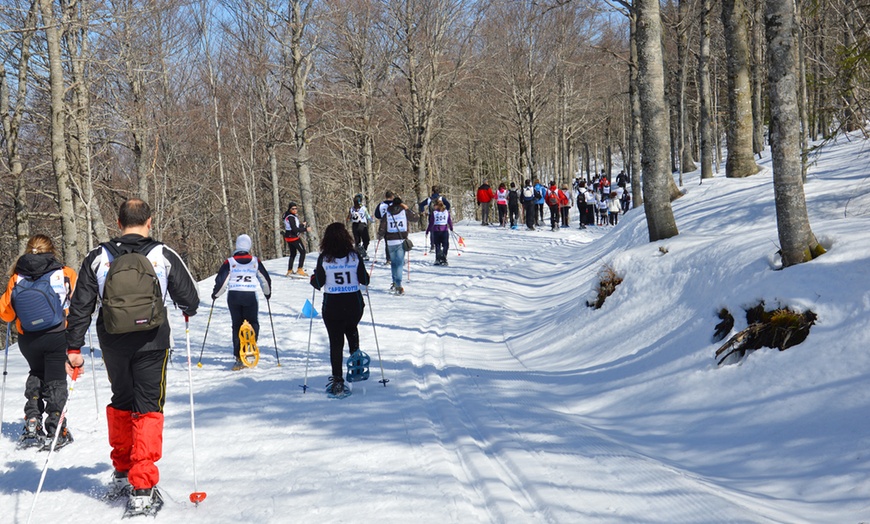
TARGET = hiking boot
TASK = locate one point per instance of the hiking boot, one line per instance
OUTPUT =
(32, 429)
(238, 365)
(144, 502)
(32, 434)
(289, 273)
(301, 272)
(400, 290)
(119, 486)
(336, 387)
(64, 438)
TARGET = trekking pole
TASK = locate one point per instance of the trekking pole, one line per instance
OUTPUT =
(409, 265)
(5, 361)
(57, 430)
(207, 324)
(304, 385)
(94, 372)
(274, 339)
(384, 379)
(197, 496)
(426, 239)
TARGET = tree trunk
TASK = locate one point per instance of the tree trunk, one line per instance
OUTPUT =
(11, 121)
(797, 242)
(77, 44)
(741, 160)
(58, 140)
(757, 70)
(704, 92)
(278, 237)
(636, 137)
(301, 65)
(687, 158)
(654, 108)
(225, 207)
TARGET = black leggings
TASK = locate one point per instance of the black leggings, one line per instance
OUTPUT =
(45, 353)
(361, 235)
(243, 306)
(341, 323)
(296, 246)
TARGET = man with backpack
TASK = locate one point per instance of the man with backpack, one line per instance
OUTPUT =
(529, 202)
(381, 215)
(130, 276)
(513, 205)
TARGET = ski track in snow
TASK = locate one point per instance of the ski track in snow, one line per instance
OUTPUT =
(462, 402)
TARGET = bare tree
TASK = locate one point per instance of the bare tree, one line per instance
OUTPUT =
(797, 242)
(705, 94)
(432, 38)
(204, 23)
(53, 33)
(654, 108)
(11, 113)
(299, 47)
(739, 131)
(76, 42)
(686, 17)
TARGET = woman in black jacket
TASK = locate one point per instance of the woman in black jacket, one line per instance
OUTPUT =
(339, 274)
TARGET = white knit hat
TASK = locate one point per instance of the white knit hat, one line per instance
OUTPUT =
(243, 243)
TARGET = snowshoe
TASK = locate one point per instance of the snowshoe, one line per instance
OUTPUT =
(63, 439)
(32, 435)
(119, 487)
(336, 388)
(248, 350)
(358, 366)
(145, 502)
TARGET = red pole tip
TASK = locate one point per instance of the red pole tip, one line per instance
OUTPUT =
(197, 497)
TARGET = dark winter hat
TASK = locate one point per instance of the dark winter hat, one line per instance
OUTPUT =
(291, 205)
(397, 200)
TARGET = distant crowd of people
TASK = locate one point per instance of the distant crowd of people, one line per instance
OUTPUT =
(598, 203)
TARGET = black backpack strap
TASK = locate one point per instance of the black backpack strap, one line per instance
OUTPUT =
(117, 250)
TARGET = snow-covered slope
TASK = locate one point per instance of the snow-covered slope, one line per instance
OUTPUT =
(511, 401)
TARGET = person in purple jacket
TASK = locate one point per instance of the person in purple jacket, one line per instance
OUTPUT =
(440, 226)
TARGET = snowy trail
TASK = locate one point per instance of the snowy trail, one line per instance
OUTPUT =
(464, 386)
(509, 400)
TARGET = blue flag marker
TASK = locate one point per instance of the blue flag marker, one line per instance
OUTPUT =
(308, 310)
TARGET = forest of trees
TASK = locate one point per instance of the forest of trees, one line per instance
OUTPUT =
(220, 112)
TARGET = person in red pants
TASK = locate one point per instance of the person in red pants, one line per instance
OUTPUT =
(135, 359)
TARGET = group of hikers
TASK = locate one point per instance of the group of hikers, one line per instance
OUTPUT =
(597, 203)
(126, 281)
(128, 277)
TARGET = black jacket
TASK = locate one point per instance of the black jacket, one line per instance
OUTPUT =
(181, 288)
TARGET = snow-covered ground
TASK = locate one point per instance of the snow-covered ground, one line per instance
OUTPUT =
(509, 400)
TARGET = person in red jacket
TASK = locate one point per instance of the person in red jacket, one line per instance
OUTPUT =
(554, 198)
(485, 196)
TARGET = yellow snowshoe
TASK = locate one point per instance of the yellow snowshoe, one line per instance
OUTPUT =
(248, 350)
